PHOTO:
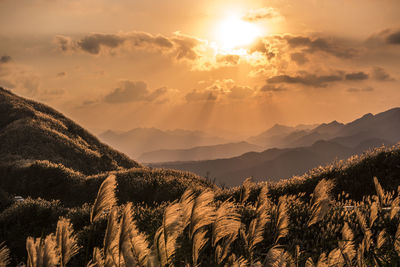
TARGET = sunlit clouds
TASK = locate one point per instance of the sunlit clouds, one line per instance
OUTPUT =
(223, 66)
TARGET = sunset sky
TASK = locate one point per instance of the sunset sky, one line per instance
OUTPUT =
(230, 68)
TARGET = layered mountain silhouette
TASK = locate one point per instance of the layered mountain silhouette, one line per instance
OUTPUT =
(300, 150)
(199, 153)
(140, 140)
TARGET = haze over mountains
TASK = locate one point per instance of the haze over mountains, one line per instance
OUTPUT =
(300, 150)
(141, 140)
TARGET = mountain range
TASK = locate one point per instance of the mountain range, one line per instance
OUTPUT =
(199, 153)
(141, 140)
(299, 150)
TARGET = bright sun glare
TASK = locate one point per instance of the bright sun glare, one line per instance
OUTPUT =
(233, 32)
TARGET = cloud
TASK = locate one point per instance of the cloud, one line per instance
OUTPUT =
(179, 46)
(380, 74)
(198, 95)
(272, 88)
(319, 44)
(306, 79)
(129, 91)
(219, 90)
(358, 90)
(61, 74)
(263, 47)
(393, 38)
(299, 58)
(356, 76)
(7, 84)
(228, 59)
(262, 14)
(5, 59)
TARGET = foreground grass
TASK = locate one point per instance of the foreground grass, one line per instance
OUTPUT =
(198, 230)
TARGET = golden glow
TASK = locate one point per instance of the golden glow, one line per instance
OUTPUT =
(233, 32)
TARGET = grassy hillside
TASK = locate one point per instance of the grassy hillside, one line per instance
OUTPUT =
(31, 131)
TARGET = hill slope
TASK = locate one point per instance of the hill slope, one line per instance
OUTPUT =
(31, 131)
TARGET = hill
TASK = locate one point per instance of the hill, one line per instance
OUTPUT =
(140, 140)
(272, 164)
(31, 131)
(199, 153)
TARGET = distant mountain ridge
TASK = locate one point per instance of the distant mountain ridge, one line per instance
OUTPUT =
(140, 140)
(199, 153)
(30, 131)
(301, 150)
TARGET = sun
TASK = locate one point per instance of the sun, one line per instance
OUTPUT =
(232, 33)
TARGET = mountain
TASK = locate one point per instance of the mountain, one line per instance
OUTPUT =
(271, 164)
(31, 131)
(280, 135)
(140, 140)
(199, 153)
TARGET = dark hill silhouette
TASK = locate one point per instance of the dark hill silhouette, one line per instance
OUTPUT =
(31, 131)
(199, 153)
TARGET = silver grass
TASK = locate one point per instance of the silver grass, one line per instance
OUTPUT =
(309, 263)
(110, 242)
(394, 207)
(245, 189)
(276, 257)
(203, 212)
(335, 258)
(159, 248)
(124, 241)
(322, 260)
(321, 201)
(199, 241)
(105, 199)
(347, 245)
(256, 228)
(227, 222)
(382, 239)
(67, 242)
(373, 214)
(172, 227)
(187, 201)
(139, 245)
(4, 255)
(379, 191)
(42, 252)
(282, 222)
(397, 240)
(97, 258)
(223, 249)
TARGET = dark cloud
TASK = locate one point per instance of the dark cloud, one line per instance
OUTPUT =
(198, 95)
(261, 14)
(356, 76)
(360, 90)
(5, 59)
(393, 38)
(299, 58)
(180, 46)
(240, 92)
(306, 79)
(61, 74)
(312, 45)
(272, 88)
(130, 91)
(262, 47)
(228, 59)
(380, 74)
(64, 43)
(94, 42)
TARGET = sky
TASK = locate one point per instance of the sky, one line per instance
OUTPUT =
(230, 68)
